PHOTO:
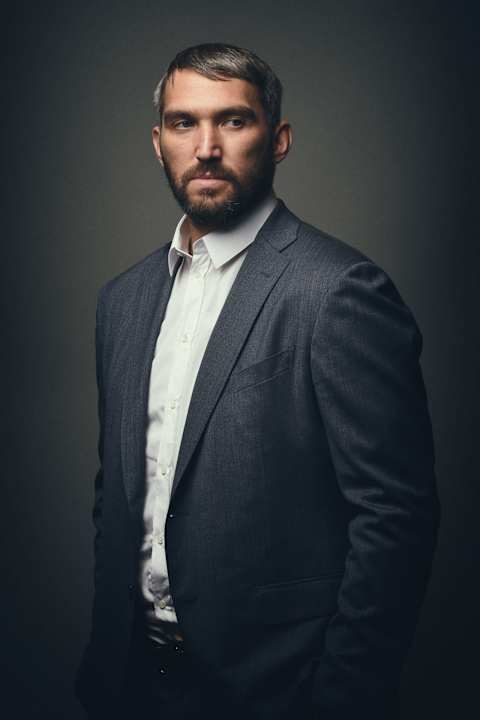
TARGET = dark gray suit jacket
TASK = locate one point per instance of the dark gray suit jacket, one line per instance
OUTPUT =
(304, 513)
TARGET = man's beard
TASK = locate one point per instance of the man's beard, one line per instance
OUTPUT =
(205, 211)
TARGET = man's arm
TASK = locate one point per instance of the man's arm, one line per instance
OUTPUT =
(368, 382)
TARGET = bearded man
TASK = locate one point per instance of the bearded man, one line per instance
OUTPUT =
(265, 506)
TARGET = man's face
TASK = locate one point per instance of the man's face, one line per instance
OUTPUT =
(216, 147)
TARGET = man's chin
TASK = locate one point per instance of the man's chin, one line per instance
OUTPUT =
(209, 205)
(210, 212)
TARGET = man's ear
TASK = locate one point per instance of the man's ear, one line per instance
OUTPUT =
(282, 140)
(156, 144)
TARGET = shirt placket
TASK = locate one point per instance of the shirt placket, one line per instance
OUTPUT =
(196, 270)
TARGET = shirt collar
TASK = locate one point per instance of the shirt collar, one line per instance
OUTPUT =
(223, 245)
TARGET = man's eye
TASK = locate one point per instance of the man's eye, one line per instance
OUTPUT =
(235, 122)
(181, 124)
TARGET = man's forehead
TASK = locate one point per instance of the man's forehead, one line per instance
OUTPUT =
(192, 88)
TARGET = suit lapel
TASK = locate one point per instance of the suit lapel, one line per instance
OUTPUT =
(259, 273)
(145, 315)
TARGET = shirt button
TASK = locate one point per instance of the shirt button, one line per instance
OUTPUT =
(173, 404)
(162, 604)
(184, 338)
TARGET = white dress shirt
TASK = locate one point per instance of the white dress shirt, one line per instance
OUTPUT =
(200, 289)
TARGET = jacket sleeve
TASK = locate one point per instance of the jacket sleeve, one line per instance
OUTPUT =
(369, 386)
(85, 676)
(98, 486)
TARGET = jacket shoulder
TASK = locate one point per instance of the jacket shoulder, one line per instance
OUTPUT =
(124, 285)
(331, 266)
(325, 253)
(322, 263)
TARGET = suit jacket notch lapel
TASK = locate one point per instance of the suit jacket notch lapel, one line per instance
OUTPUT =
(257, 277)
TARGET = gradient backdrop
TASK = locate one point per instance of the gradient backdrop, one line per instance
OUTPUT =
(381, 96)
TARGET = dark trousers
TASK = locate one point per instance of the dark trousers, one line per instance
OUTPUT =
(162, 682)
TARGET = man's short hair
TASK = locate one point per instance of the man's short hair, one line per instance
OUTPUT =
(218, 61)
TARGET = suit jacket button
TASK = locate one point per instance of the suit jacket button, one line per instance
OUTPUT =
(131, 587)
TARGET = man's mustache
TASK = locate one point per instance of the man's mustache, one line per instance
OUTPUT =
(215, 173)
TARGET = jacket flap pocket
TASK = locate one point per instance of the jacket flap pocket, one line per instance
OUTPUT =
(260, 371)
(297, 599)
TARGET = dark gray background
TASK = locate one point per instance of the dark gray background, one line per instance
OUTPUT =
(381, 97)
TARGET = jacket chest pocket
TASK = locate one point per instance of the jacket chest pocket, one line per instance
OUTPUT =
(261, 371)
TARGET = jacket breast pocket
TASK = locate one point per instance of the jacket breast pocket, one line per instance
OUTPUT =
(261, 371)
(297, 599)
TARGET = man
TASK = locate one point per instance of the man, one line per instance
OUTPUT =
(265, 507)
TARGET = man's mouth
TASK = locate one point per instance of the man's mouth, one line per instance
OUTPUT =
(207, 179)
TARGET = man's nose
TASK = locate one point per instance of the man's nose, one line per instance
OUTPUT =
(208, 144)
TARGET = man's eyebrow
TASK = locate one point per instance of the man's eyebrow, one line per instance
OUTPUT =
(241, 110)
